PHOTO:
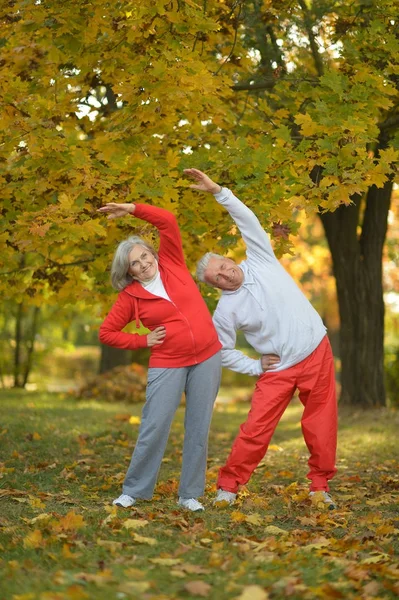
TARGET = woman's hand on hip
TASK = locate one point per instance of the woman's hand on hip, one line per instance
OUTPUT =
(269, 361)
(115, 210)
(156, 336)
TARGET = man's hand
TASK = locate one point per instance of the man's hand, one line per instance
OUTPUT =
(115, 210)
(269, 361)
(204, 183)
(156, 336)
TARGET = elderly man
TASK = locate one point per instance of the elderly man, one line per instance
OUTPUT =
(262, 300)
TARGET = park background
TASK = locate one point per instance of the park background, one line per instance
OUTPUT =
(294, 106)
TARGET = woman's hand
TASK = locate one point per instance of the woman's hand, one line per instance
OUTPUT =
(269, 361)
(115, 210)
(156, 336)
(204, 183)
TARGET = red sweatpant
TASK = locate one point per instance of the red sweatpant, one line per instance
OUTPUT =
(315, 380)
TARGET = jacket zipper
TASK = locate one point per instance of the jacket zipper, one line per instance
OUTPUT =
(186, 320)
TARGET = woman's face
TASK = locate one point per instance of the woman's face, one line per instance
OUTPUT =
(142, 263)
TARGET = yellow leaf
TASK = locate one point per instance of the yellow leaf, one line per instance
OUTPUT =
(42, 518)
(238, 517)
(71, 522)
(134, 420)
(376, 559)
(273, 530)
(36, 436)
(144, 540)
(34, 539)
(308, 127)
(99, 579)
(66, 552)
(135, 523)
(253, 592)
(169, 562)
(275, 448)
(254, 519)
(36, 502)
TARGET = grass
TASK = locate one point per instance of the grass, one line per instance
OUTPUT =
(62, 463)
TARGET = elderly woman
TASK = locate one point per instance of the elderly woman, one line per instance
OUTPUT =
(158, 290)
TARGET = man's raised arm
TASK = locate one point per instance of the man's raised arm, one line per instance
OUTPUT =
(256, 239)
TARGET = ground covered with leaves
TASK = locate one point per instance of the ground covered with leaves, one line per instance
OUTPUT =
(63, 461)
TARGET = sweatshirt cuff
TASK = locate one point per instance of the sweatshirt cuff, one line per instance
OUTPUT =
(222, 194)
(261, 371)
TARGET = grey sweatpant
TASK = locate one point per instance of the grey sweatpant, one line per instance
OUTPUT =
(164, 391)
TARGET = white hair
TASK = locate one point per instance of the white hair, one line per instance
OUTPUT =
(203, 263)
(120, 276)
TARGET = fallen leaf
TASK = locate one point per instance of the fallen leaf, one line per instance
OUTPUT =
(273, 530)
(169, 562)
(253, 592)
(71, 522)
(198, 588)
(144, 540)
(134, 587)
(238, 517)
(34, 539)
(135, 523)
(134, 420)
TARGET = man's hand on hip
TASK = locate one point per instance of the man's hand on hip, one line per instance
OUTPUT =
(269, 362)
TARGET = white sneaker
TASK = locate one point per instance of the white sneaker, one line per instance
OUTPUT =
(191, 504)
(125, 501)
(326, 498)
(225, 496)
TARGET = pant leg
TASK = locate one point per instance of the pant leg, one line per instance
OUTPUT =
(273, 392)
(317, 393)
(201, 389)
(164, 391)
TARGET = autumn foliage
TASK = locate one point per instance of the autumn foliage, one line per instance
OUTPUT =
(109, 102)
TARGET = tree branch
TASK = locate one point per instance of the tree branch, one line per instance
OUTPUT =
(312, 39)
(53, 265)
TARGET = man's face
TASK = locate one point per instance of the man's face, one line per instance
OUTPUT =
(142, 263)
(224, 274)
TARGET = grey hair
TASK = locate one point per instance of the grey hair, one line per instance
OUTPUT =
(203, 263)
(120, 277)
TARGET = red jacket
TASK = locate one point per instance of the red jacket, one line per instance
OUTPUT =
(190, 334)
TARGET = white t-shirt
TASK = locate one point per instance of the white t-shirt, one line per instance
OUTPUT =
(156, 287)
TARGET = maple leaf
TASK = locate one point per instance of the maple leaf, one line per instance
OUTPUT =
(281, 230)
(71, 522)
(34, 539)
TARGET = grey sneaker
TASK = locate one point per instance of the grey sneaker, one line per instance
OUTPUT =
(125, 501)
(326, 498)
(190, 504)
(225, 496)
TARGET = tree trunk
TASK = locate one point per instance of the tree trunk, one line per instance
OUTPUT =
(18, 346)
(357, 264)
(30, 346)
(113, 357)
